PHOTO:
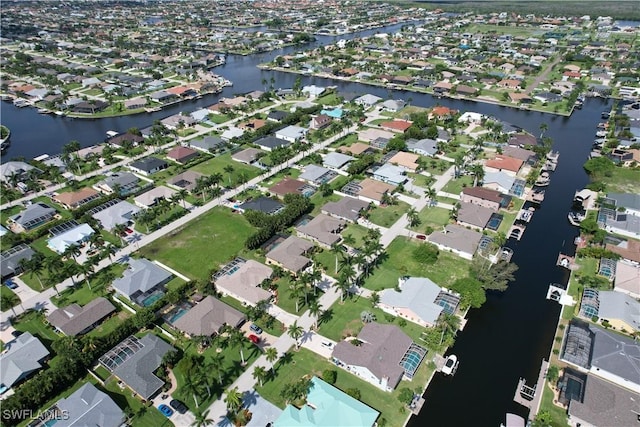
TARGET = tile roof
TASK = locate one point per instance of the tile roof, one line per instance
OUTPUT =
(73, 319)
(208, 317)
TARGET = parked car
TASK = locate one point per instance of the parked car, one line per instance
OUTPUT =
(255, 328)
(178, 406)
(128, 230)
(166, 411)
(10, 284)
(254, 339)
(421, 237)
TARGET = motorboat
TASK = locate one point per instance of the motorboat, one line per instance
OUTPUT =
(450, 365)
(576, 217)
(513, 420)
(543, 180)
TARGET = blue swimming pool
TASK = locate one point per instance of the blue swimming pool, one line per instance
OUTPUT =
(152, 298)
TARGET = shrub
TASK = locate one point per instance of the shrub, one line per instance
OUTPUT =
(406, 395)
(330, 376)
(353, 392)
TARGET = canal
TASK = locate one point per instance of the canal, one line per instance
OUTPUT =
(506, 338)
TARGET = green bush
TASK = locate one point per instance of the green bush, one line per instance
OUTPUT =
(330, 376)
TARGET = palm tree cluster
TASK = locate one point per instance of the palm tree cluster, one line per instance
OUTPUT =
(154, 216)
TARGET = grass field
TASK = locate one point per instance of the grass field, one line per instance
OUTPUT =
(306, 363)
(202, 244)
(624, 180)
(399, 262)
(455, 186)
(387, 215)
(217, 165)
(433, 217)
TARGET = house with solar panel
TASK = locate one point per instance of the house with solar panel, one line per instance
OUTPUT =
(35, 215)
(419, 300)
(382, 355)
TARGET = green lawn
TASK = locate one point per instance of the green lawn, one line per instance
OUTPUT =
(306, 363)
(285, 173)
(330, 99)
(276, 329)
(202, 244)
(358, 232)
(421, 180)
(433, 217)
(558, 414)
(345, 141)
(510, 216)
(33, 322)
(386, 216)
(111, 324)
(455, 186)
(624, 180)
(287, 302)
(399, 262)
(219, 118)
(327, 261)
(588, 267)
(82, 295)
(319, 201)
(217, 165)
(10, 297)
(124, 398)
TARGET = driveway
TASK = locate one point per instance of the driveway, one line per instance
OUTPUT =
(23, 290)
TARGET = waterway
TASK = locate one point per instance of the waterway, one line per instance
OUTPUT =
(506, 338)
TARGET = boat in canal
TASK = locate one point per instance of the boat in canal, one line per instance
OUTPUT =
(450, 365)
(543, 180)
(576, 217)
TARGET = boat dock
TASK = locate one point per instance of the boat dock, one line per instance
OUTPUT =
(516, 231)
(566, 261)
(531, 397)
(525, 214)
(416, 404)
(535, 196)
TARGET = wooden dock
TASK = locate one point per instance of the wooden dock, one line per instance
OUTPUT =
(531, 397)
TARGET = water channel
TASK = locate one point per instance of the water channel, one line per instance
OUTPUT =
(505, 339)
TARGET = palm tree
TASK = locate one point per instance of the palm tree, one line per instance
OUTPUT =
(412, 216)
(315, 309)
(180, 196)
(478, 173)
(259, 373)
(272, 355)
(236, 338)
(120, 229)
(109, 251)
(315, 276)
(348, 240)
(202, 419)
(343, 285)
(192, 385)
(229, 169)
(296, 291)
(215, 179)
(52, 281)
(295, 332)
(336, 248)
(96, 240)
(375, 299)
(71, 251)
(35, 266)
(86, 269)
(71, 269)
(216, 364)
(449, 324)
(458, 165)
(233, 400)
(431, 195)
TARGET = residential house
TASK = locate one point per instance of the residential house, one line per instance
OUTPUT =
(114, 214)
(367, 100)
(380, 357)
(527, 156)
(474, 216)
(262, 204)
(629, 201)
(241, 279)
(522, 140)
(292, 133)
(135, 103)
(75, 199)
(327, 405)
(509, 165)
(277, 115)
(423, 147)
(457, 239)
(335, 160)
(89, 406)
(397, 126)
(270, 142)
(206, 144)
(317, 175)
(148, 165)
(182, 155)
(15, 170)
(247, 156)
(372, 134)
(442, 113)
(201, 115)
(290, 185)
(620, 310)
(22, 357)
(419, 300)
(347, 208)
(390, 174)
(187, 180)
(35, 215)
(75, 235)
(177, 121)
(142, 282)
(320, 121)
(124, 182)
(10, 260)
(619, 222)
(323, 229)
(151, 197)
(368, 190)
(407, 161)
(75, 320)
(134, 361)
(627, 278)
(486, 197)
(290, 254)
(628, 249)
(208, 317)
(357, 148)
(498, 181)
(393, 105)
(125, 138)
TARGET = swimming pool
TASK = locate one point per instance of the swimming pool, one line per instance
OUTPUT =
(152, 298)
(494, 222)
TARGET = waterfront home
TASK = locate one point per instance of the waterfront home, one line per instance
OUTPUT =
(423, 147)
(143, 282)
(602, 353)
(34, 215)
(74, 235)
(397, 126)
(187, 180)
(151, 197)
(92, 151)
(527, 156)
(509, 165)
(473, 216)
(323, 229)
(619, 310)
(135, 103)
(521, 139)
(346, 208)
(317, 175)
(456, 239)
(291, 186)
(498, 181)
(74, 199)
(208, 317)
(627, 279)
(10, 260)
(75, 320)
(382, 356)
(270, 142)
(619, 222)
(290, 254)
(182, 155)
(15, 171)
(407, 161)
(114, 213)
(123, 139)
(335, 160)
(367, 100)
(241, 279)
(89, 107)
(88, 405)
(419, 300)
(148, 165)
(628, 201)
(291, 133)
(22, 357)
(177, 121)
(124, 183)
(327, 405)
(486, 197)
(390, 174)
(134, 361)
(393, 105)
(262, 204)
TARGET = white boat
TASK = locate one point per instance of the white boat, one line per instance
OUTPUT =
(575, 218)
(111, 133)
(450, 365)
(543, 180)
(513, 420)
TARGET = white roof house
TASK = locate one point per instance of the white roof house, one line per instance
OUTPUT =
(292, 133)
(120, 213)
(73, 236)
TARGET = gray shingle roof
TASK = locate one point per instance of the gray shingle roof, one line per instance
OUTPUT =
(626, 200)
(427, 146)
(142, 275)
(148, 164)
(10, 260)
(317, 174)
(418, 295)
(138, 370)
(347, 208)
(88, 406)
(323, 228)
(458, 238)
(34, 214)
(22, 358)
(337, 160)
(123, 179)
(289, 253)
(262, 204)
(207, 317)
(473, 214)
(605, 404)
(616, 305)
(73, 319)
(120, 213)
